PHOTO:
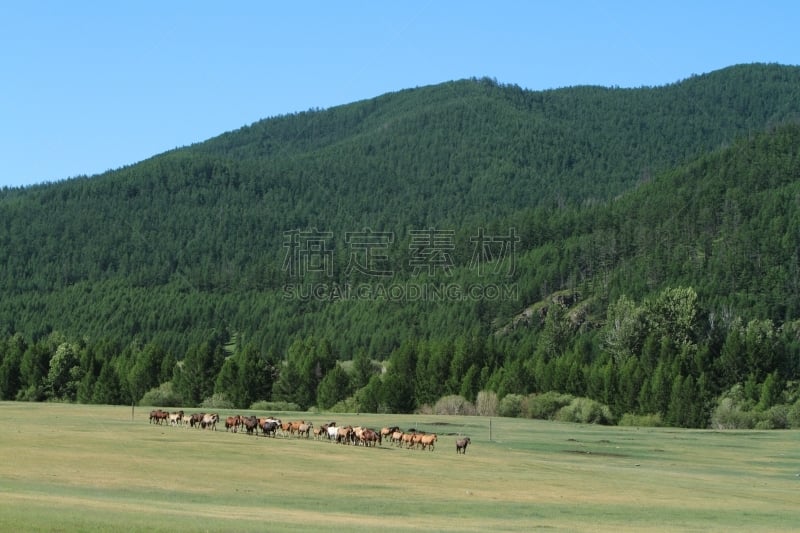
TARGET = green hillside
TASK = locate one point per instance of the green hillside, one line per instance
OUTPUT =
(475, 236)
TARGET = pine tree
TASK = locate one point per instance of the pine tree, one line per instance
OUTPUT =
(334, 387)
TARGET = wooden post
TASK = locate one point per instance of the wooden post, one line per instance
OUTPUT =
(490, 430)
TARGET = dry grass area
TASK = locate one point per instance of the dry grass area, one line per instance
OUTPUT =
(93, 468)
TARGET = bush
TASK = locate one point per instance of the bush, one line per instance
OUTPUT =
(453, 405)
(273, 407)
(33, 393)
(348, 405)
(511, 405)
(585, 411)
(763, 424)
(728, 415)
(776, 417)
(793, 415)
(217, 401)
(546, 406)
(163, 396)
(424, 409)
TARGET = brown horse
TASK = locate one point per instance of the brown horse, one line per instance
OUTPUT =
(386, 433)
(461, 445)
(345, 435)
(157, 416)
(233, 423)
(428, 441)
(305, 429)
(196, 419)
(397, 437)
(369, 437)
(250, 424)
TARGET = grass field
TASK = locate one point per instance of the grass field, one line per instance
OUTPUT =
(92, 468)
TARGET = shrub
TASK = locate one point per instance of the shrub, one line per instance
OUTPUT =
(163, 396)
(585, 411)
(511, 405)
(728, 415)
(453, 405)
(217, 401)
(34, 393)
(776, 417)
(348, 405)
(545, 406)
(425, 409)
(793, 415)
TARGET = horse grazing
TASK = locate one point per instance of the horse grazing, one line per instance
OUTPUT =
(461, 445)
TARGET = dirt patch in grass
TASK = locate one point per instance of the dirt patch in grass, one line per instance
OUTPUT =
(596, 453)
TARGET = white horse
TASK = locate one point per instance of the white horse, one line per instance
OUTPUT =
(333, 432)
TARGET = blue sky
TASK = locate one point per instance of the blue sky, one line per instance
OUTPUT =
(92, 86)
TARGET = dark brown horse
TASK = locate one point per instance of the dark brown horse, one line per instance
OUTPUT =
(157, 416)
(461, 445)
(233, 422)
(250, 424)
(370, 437)
(270, 427)
(196, 419)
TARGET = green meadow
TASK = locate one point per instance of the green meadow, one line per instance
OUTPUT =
(82, 468)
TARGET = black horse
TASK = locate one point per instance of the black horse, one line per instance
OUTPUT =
(270, 427)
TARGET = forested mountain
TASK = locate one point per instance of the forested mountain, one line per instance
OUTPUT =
(599, 242)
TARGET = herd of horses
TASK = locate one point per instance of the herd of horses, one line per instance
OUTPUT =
(271, 427)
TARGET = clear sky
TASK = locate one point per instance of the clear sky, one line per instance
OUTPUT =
(91, 86)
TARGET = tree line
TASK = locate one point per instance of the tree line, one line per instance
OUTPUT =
(664, 359)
